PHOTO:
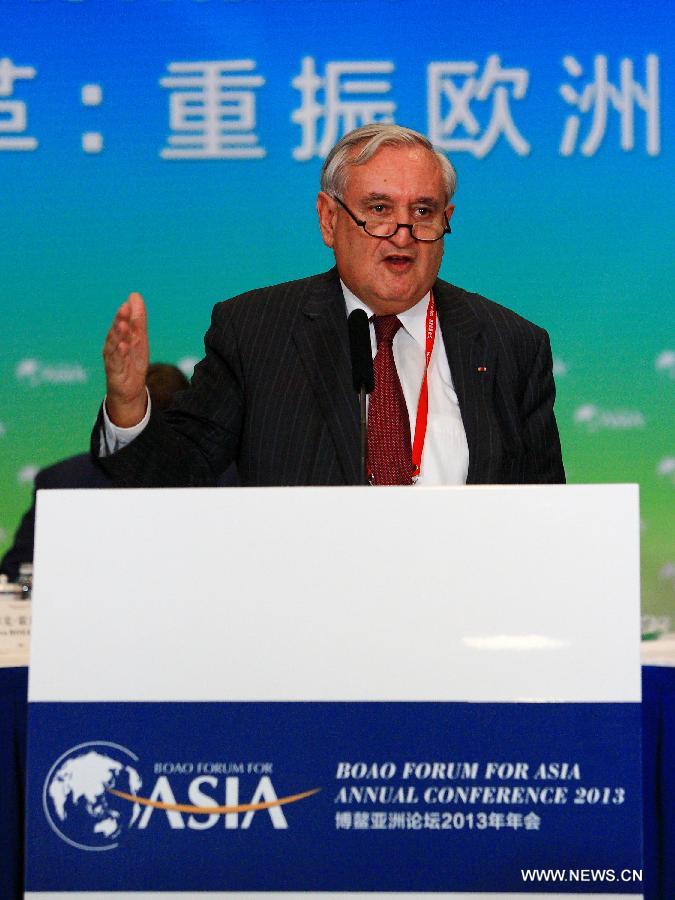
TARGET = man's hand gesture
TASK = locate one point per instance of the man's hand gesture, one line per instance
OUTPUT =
(126, 356)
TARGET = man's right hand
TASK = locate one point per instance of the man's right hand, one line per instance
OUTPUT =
(126, 356)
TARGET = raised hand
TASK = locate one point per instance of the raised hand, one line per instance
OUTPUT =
(126, 356)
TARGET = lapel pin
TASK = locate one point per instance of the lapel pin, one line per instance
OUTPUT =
(482, 369)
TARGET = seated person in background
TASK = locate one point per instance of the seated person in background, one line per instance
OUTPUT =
(163, 382)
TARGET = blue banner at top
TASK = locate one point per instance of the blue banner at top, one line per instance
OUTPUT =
(174, 147)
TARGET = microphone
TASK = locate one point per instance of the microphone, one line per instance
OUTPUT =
(362, 373)
(361, 352)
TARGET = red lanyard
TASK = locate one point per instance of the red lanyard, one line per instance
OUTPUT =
(423, 402)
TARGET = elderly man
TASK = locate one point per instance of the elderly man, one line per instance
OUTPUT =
(463, 387)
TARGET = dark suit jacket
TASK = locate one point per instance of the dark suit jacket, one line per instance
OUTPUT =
(274, 393)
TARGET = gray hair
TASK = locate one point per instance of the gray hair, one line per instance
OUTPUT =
(370, 138)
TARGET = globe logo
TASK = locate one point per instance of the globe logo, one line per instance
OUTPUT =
(76, 797)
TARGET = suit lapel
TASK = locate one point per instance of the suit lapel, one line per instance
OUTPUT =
(322, 341)
(472, 365)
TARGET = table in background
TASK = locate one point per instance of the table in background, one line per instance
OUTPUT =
(658, 706)
(13, 693)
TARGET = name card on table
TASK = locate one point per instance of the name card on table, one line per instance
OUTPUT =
(15, 622)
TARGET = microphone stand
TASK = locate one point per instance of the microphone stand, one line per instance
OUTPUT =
(363, 421)
(362, 375)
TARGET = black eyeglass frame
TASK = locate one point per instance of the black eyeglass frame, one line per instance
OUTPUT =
(362, 224)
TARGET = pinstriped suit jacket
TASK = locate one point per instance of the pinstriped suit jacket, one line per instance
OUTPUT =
(274, 393)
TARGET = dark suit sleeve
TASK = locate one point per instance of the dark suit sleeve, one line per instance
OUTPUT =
(543, 462)
(194, 441)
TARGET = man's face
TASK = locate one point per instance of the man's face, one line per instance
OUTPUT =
(400, 184)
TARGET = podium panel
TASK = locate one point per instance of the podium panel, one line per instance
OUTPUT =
(431, 691)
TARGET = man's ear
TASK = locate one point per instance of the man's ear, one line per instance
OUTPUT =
(326, 208)
(449, 210)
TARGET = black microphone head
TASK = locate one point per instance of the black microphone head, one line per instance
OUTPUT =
(361, 352)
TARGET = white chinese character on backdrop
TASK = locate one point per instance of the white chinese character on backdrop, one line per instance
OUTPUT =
(361, 820)
(598, 94)
(414, 821)
(514, 820)
(451, 89)
(395, 820)
(212, 109)
(13, 116)
(432, 820)
(378, 820)
(496, 820)
(343, 820)
(532, 822)
(346, 102)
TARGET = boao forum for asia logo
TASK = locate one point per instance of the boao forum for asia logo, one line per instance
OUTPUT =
(93, 795)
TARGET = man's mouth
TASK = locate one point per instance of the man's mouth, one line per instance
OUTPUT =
(399, 262)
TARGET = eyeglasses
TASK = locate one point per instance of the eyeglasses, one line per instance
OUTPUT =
(426, 232)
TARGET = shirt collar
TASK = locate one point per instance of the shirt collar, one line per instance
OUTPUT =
(414, 320)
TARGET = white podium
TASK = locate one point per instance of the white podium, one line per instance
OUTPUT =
(428, 690)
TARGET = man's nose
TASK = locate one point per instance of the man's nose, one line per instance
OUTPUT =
(403, 236)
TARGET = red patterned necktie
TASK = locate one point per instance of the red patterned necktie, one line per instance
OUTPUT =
(389, 447)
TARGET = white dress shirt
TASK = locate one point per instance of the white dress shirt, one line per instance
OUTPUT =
(113, 437)
(445, 458)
